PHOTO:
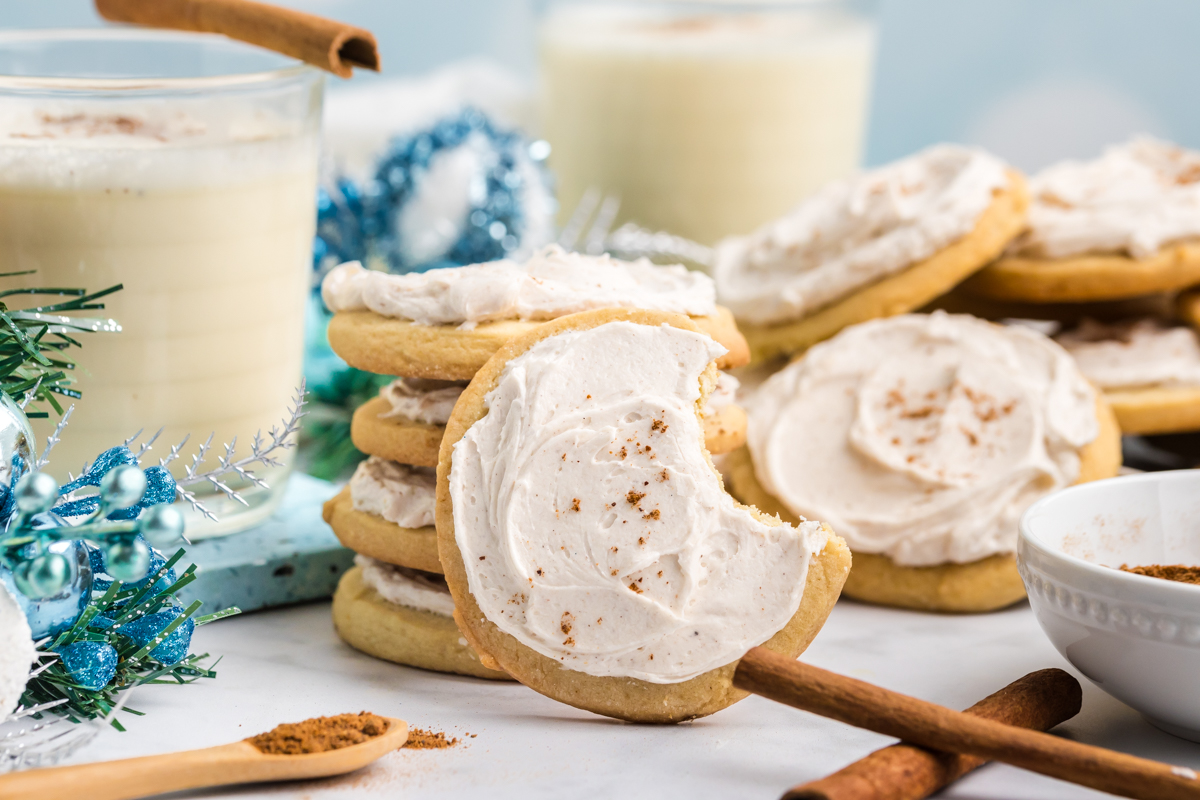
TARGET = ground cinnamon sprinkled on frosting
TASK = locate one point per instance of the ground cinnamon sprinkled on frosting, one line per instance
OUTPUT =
(320, 734)
(421, 739)
(1171, 572)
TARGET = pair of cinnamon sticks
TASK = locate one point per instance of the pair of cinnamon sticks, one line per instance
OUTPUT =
(939, 745)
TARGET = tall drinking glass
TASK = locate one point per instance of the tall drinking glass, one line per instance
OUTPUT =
(184, 167)
(705, 118)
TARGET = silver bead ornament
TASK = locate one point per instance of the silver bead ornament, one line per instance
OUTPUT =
(162, 525)
(122, 487)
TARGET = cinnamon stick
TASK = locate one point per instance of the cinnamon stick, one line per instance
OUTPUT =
(324, 43)
(1038, 701)
(938, 728)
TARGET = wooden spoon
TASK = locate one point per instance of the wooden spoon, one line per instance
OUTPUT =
(863, 705)
(240, 762)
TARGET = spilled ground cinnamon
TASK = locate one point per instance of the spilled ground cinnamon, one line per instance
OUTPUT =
(319, 734)
(1168, 572)
(421, 739)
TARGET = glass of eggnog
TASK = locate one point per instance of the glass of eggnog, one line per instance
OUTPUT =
(705, 118)
(184, 167)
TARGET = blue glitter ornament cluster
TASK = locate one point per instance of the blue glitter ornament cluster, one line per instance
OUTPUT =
(359, 222)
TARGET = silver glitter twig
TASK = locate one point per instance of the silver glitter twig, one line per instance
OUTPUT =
(262, 452)
(54, 438)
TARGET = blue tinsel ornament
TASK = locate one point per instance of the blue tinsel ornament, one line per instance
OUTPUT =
(91, 664)
(174, 647)
(462, 191)
(160, 486)
(53, 615)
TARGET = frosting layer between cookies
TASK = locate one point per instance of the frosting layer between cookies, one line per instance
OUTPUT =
(406, 587)
(397, 492)
(591, 524)
(551, 284)
(922, 437)
(1135, 354)
(1134, 199)
(855, 232)
(421, 400)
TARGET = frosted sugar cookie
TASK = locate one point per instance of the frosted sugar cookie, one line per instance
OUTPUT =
(921, 439)
(405, 616)
(1125, 224)
(446, 323)
(406, 422)
(1148, 370)
(588, 543)
(884, 243)
(387, 513)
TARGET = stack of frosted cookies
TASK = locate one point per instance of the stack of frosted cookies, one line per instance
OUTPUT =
(1122, 229)
(434, 331)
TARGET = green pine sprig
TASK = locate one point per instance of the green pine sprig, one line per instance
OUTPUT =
(34, 365)
(136, 665)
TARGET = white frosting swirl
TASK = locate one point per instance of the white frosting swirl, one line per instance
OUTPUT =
(553, 283)
(1134, 354)
(16, 652)
(922, 437)
(422, 400)
(855, 232)
(592, 525)
(407, 587)
(397, 492)
(1134, 199)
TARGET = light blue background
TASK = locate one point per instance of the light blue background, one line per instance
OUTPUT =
(1034, 80)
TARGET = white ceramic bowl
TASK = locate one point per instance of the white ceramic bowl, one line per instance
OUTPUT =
(1135, 637)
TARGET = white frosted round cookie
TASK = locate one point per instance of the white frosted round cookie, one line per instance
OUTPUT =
(921, 439)
(587, 540)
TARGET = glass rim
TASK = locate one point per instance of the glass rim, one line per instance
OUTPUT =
(52, 35)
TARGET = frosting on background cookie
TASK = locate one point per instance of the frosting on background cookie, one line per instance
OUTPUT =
(922, 437)
(1134, 199)
(553, 283)
(855, 232)
(421, 400)
(1134, 354)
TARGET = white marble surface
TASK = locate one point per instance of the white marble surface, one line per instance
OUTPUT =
(287, 665)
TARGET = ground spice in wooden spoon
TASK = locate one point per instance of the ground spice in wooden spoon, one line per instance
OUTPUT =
(320, 734)
(1170, 572)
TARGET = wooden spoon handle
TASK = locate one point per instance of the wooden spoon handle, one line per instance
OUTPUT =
(929, 725)
(136, 777)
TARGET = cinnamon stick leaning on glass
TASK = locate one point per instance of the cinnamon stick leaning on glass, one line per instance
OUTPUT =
(324, 43)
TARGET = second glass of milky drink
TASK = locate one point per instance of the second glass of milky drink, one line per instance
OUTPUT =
(707, 119)
(185, 168)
